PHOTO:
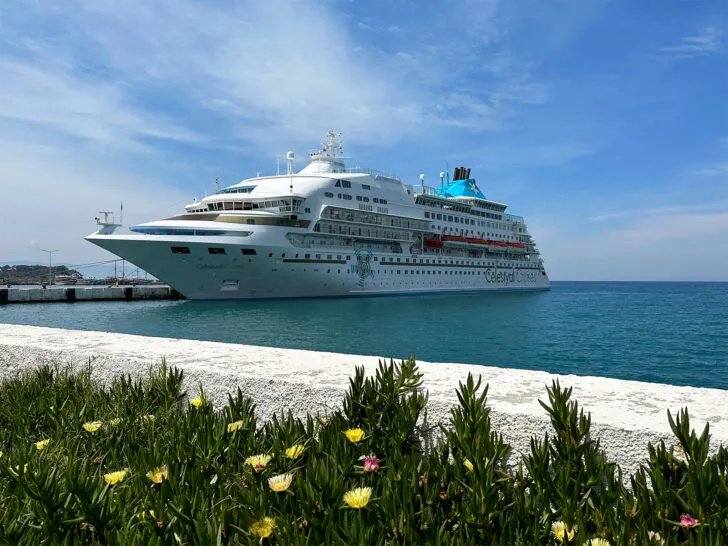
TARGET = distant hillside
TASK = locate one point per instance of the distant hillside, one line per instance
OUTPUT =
(35, 274)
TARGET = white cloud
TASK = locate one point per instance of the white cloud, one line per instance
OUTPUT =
(56, 193)
(707, 41)
(659, 247)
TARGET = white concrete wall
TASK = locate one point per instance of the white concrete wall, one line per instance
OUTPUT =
(87, 293)
(625, 414)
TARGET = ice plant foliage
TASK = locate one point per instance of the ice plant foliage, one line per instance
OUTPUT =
(281, 482)
(358, 497)
(310, 481)
(354, 435)
(561, 532)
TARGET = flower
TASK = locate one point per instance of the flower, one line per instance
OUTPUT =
(358, 498)
(561, 531)
(115, 421)
(258, 462)
(597, 542)
(354, 435)
(92, 426)
(262, 528)
(467, 464)
(112, 478)
(371, 464)
(688, 521)
(295, 451)
(197, 402)
(655, 537)
(42, 444)
(14, 470)
(281, 482)
(158, 475)
(147, 418)
(235, 425)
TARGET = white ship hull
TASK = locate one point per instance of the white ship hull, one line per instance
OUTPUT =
(275, 271)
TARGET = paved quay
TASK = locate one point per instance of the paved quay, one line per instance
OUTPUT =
(625, 414)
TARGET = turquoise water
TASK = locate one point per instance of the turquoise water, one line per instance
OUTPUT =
(665, 332)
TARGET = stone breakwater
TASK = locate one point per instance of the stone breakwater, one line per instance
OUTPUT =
(625, 414)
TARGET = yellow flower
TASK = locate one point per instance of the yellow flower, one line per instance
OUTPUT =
(42, 444)
(354, 435)
(14, 471)
(597, 542)
(258, 462)
(281, 482)
(467, 464)
(112, 478)
(197, 402)
(235, 425)
(115, 421)
(561, 531)
(294, 452)
(359, 497)
(158, 475)
(92, 426)
(262, 528)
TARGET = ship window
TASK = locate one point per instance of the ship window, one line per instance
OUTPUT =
(359, 198)
(180, 250)
(249, 251)
(329, 194)
(365, 187)
(307, 210)
(427, 214)
(216, 250)
(306, 256)
(345, 184)
(347, 197)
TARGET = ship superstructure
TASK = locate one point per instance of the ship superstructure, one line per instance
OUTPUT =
(328, 231)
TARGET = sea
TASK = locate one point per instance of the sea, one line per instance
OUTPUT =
(665, 332)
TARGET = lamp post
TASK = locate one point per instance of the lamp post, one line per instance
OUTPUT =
(50, 264)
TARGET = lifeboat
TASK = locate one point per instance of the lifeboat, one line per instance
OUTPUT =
(454, 238)
(496, 246)
(476, 241)
(433, 243)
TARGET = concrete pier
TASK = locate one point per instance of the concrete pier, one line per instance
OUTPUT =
(625, 414)
(87, 293)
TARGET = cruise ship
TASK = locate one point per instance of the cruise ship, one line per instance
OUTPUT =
(332, 231)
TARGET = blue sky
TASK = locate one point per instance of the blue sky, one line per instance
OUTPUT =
(603, 122)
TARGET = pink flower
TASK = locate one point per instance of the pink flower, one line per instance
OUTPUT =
(686, 520)
(371, 464)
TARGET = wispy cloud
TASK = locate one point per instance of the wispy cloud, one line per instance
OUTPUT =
(720, 206)
(707, 41)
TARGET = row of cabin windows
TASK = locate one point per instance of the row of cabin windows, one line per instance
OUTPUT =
(460, 220)
(348, 197)
(342, 184)
(340, 257)
(211, 250)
